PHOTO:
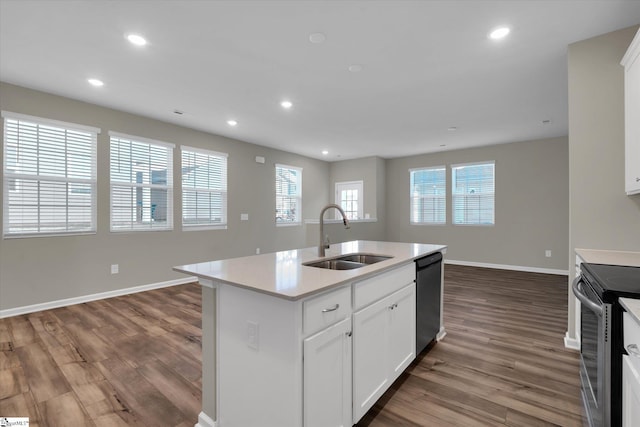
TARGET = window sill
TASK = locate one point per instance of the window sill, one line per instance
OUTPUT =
(339, 221)
(203, 227)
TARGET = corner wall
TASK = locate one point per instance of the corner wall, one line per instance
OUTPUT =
(601, 215)
(44, 269)
(531, 205)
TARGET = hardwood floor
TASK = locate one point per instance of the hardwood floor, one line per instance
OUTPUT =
(136, 360)
(502, 362)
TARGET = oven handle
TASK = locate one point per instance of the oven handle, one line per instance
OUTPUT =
(577, 291)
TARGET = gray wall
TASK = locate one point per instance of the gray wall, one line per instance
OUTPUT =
(531, 210)
(44, 269)
(371, 170)
(602, 216)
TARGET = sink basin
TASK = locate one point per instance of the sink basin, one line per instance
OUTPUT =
(348, 262)
(364, 258)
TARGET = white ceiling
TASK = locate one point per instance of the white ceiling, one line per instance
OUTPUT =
(427, 66)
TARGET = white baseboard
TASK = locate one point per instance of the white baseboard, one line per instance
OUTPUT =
(205, 420)
(93, 297)
(572, 343)
(508, 267)
(441, 334)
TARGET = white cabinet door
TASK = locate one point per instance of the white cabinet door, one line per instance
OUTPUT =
(402, 330)
(370, 356)
(327, 377)
(384, 343)
(630, 392)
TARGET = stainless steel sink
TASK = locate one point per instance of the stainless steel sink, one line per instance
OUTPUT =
(348, 262)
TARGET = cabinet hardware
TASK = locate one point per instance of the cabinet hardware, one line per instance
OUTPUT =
(637, 179)
(348, 334)
(334, 308)
(633, 350)
(392, 306)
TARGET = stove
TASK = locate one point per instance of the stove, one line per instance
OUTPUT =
(601, 338)
(611, 282)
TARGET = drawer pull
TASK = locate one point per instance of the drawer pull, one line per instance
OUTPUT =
(392, 306)
(348, 334)
(334, 308)
(633, 350)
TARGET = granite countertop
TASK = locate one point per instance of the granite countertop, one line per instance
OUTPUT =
(597, 256)
(282, 274)
(632, 306)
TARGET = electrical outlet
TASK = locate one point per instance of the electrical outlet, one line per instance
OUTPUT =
(115, 268)
(244, 217)
(547, 253)
(257, 251)
(253, 332)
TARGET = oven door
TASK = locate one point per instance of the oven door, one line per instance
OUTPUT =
(595, 353)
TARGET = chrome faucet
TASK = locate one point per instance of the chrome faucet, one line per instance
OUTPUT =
(324, 244)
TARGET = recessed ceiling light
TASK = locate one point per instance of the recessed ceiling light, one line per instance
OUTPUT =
(443, 145)
(499, 33)
(95, 82)
(286, 104)
(136, 39)
(546, 122)
(317, 38)
(232, 122)
(355, 68)
(179, 112)
(325, 152)
(452, 129)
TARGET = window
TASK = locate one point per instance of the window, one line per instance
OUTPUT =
(428, 195)
(288, 195)
(349, 196)
(204, 188)
(49, 177)
(141, 184)
(473, 193)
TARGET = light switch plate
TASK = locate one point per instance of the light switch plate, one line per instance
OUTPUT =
(244, 217)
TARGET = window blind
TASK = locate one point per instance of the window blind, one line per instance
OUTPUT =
(204, 188)
(288, 194)
(141, 184)
(428, 195)
(49, 177)
(473, 193)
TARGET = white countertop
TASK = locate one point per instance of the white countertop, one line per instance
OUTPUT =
(632, 306)
(282, 274)
(597, 256)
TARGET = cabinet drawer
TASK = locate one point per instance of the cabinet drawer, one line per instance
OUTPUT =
(631, 330)
(371, 290)
(326, 309)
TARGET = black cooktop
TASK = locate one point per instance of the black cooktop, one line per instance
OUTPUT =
(612, 281)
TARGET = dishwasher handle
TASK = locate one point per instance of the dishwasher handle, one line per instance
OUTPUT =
(428, 260)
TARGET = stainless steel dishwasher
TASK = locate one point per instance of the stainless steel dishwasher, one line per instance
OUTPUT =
(428, 290)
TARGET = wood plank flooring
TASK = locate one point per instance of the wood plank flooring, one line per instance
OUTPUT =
(136, 360)
(502, 362)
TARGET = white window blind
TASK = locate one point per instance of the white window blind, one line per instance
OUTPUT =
(49, 177)
(288, 195)
(349, 196)
(141, 184)
(473, 193)
(428, 195)
(204, 188)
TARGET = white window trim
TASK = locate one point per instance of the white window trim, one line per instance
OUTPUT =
(169, 187)
(453, 212)
(92, 181)
(299, 197)
(202, 227)
(359, 185)
(431, 224)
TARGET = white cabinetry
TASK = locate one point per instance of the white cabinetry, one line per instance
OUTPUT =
(383, 337)
(327, 377)
(631, 63)
(631, 373)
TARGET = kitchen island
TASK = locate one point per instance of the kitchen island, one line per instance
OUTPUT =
(288, 344)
